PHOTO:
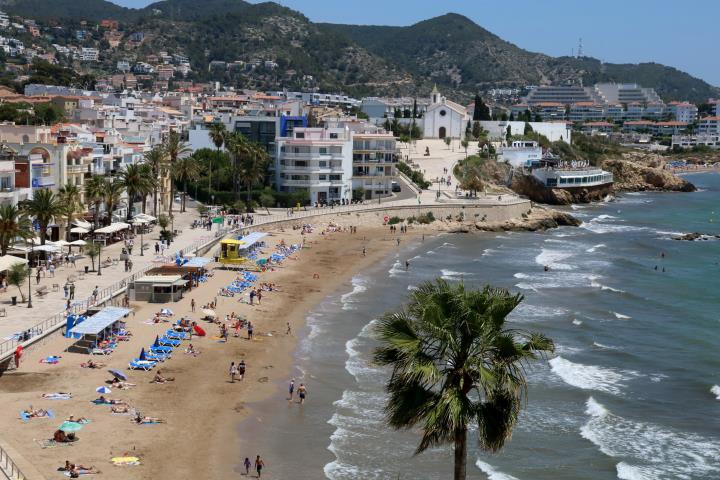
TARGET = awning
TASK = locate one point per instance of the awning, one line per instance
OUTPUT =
(82, 223)
(79, 243)
(145, 216)
(9, 261)
(100, 321)
(139, 221)
(113, 227)
(197, 262)
(79, 230)
(61, 243)
(162, 280)
(251, 239)
(46, 248)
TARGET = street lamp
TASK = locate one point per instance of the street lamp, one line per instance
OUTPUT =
(142, 243)
(172, 227)
(99, 258)
(32, 250)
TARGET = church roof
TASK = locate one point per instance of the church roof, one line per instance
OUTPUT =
(456, 107)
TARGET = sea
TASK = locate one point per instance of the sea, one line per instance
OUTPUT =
(632, 391)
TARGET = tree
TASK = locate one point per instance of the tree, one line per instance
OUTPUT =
(447, 141)
(155, 158)
(239, 149)
(95, 194)
(528, 129)
(468, 129)
(16, 276)
(93, 250)
(14, 223)
(252, 169)
(185, 169)
(454, 363)
(163, 221)
(512, 117)
(70, 205)
(508, 134)
(481, 111)
(137, 181)
(216, 132)
(476, 130)
(174, 148)
(113, 192)
(43, 207)
(465, 143)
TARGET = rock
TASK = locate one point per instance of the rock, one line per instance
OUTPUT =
(632, 176)
(539, 219)
(691, 237)
(532, 188)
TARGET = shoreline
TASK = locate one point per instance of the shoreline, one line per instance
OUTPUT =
(202, 402)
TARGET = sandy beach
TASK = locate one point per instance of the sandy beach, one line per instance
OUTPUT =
(201, 407)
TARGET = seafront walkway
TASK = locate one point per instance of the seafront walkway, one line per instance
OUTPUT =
(438, 165)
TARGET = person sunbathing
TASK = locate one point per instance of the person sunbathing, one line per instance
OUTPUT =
(122, 408)
(91, 364)
(190, 350)
(36, 412)
(61, 437)
(117, 383)
(139, 419)
(57, 395)
(106, 401)
(160, 379)
(72, 418)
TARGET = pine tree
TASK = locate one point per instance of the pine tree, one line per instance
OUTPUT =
(481, 111)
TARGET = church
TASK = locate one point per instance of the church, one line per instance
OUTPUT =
(444, 118)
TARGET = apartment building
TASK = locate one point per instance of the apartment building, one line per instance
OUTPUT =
(14, 178)
(88, 54)
(563, 94)
(683, 111)
(316, 160)
(375, 157)
(709, 125)
(586, 112)
(711, 140)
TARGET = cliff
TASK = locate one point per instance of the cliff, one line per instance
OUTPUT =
(533, 189)
(633, 176)
(537, 219)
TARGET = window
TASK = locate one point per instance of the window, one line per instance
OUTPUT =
(333, 135)
(323, 150)
(299, 134)
(322, 177)
(335, 178)
(322, 163)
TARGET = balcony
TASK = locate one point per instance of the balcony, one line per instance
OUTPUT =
(43, 182)
(78, 168)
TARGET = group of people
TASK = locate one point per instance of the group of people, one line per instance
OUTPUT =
(237, 370)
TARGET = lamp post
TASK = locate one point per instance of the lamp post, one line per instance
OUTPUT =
(99, 258)
(32, 250)
(142, 243)
(172, 227)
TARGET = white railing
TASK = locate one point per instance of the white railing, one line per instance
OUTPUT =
(8, 468)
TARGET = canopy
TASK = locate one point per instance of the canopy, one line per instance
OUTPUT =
(100, 321)
(82, 223)
(113, 227)
(197, 262)
(144, 216)
(46, 248)
(79, 243)
(61, 243)
(118, 374)
(9, 261)
(79, 230)
(251, 239)
(139, 221)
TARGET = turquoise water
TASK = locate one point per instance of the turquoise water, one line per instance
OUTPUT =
(632, 391)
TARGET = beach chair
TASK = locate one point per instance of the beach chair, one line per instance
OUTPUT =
(161, 350)
(101, 351)
(156, 357)
(145, 365)
(169, 342)
(172, 334)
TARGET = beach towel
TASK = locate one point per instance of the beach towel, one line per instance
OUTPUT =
(57, 396)
(125, 461)
(80, 472)
(51, 360)
(50, 443)
(25, 417)
(100, 402)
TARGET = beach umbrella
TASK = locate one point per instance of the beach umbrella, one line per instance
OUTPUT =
(103, 390)
(156, 343)
(70, 427)
(118, 374)
(142, 356)
(166, 311)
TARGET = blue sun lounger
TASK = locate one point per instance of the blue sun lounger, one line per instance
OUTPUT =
(145, 365)
(156, 357)
(160, 350)
(176, 335)
(169, 342)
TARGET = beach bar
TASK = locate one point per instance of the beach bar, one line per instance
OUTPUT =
(235, 251)
(158, 288)
(95, 328)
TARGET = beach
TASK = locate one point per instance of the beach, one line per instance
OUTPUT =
(201, 406)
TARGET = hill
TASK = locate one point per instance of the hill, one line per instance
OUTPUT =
(451, 50)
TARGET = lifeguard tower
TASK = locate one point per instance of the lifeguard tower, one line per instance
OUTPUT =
(236, 252)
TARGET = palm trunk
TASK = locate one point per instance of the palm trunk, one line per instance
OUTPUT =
(144, 202)
(68, 227)
(22, 294)
(460, 453)
(172, 198)
(97, 214)
(184, 194)
(43, 233)
(249, 197)
(155, 192)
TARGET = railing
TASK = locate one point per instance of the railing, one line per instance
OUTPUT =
(8, 467)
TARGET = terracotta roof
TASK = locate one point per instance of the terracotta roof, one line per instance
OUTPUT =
(549, 104)
(671, 124)
(639, 122)
(586, 104)
(710, 119)
(598, 124)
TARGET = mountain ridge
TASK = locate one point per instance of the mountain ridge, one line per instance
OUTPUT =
(450, 50)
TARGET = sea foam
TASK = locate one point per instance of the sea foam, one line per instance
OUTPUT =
(715, 390)
(590, 377)
(492, 473)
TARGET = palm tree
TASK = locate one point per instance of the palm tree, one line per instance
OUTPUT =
(251, 168)
(13, 224)
(239, 148)
(44, 207)
(113, 192)
(95, 188)
(147, 172)
(185, 169)
(454, 362)
(174, 148)
(137, 180)
(70, 202)
(217, 133)
(155, 159)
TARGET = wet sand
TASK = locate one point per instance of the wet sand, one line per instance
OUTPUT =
(202, 407)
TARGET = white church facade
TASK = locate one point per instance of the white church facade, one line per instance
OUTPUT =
(444, 118)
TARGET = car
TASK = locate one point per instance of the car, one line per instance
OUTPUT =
(395, 187)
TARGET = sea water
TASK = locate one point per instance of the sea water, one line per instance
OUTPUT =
(632, 392)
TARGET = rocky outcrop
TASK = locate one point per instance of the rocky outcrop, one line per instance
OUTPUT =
(691, 237)
(632, 176)
(532, 188)
(537, 220)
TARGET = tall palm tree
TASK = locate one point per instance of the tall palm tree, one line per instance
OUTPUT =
(95, 188)
(252, 169)
(113, 192)
(70, 203)
(14, 223)
(217, 133)
(454, 363)
(147, 172)
(137, 180)
(174, 148)
(185, 169)
(155, 159)
(239, 149)
(44, 207)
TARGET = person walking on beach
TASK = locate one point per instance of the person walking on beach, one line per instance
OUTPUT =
(259, 464)
(72, 291)
(252, 297)
(157, 248)
(247, 465)
(233, 372)
(250, 330)
(398, 242)
(192, 305)
(302, 391)
(66, 290)
(407, 265)
(291, 389)
(95, 294)
(289, 330)
(259, 295)
(241, 369)
(364, 251)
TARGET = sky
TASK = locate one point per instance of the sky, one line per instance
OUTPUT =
(675, 33)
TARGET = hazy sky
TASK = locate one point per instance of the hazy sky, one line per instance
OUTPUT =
(676, 33)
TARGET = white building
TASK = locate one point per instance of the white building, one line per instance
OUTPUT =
(316, 160)
(683, 111)
(710, 125)
(444, 118)
(554, 131)
(711, 140)
(374, 160)
(521, 153)
(89, 54)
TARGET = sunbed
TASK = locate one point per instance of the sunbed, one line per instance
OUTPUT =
(142, 365)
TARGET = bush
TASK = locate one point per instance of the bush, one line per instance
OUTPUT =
(394, 220)
(426, 218)
(415, 175)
